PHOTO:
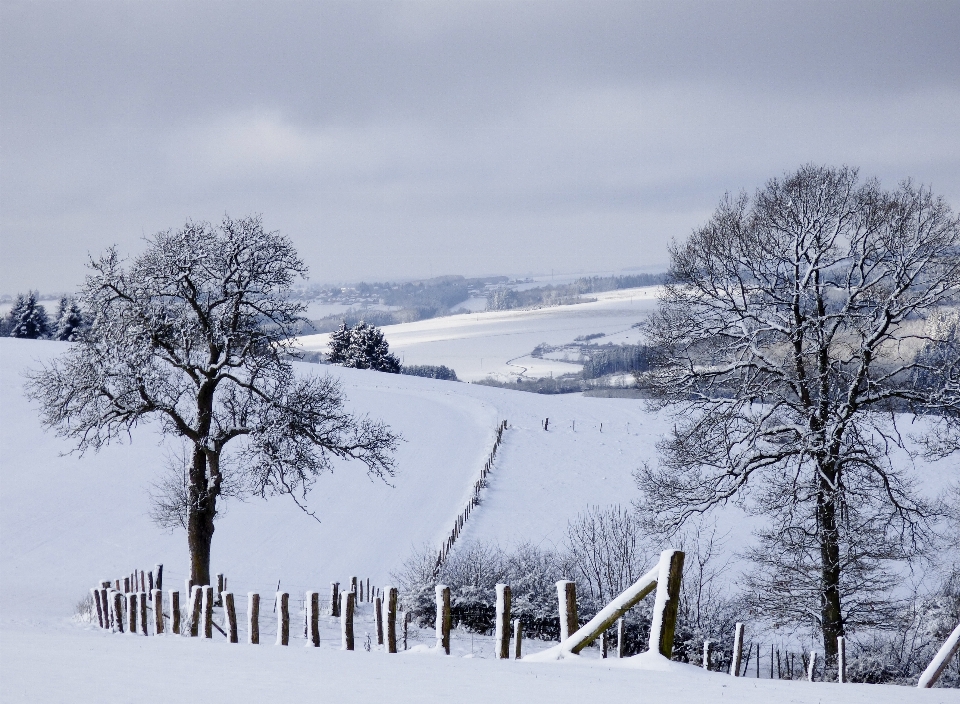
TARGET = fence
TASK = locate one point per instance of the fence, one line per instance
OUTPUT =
(474, 500)
(135, 604)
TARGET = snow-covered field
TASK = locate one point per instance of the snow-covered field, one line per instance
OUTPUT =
(67, 521)
(498, 343)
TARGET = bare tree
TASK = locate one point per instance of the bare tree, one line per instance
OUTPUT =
(197, 332)
(605, 545)
(789, 338)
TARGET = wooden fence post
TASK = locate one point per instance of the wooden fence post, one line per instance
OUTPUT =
(621, 637)
(142, 598)
(132, 612)
(567, 598)
(406, 623)
(517, 639)
(737, 650)
(443, 617)
(150, 581)
(106, 606)
(175, 612)
(118, 610)
(283, 618)
(378, 615)
(220, 589)
(195, 599)
(313, 618)
(664, 622)
(603, 644)
(96, 601)
(501, 641)
(157, 611)
(812, 667)
(334, 598)
(707, 654)
(158, 571)
(207, 611)
(126, 585)
(391, 619)
(940, 661)
(353, 586)
(253, 618)
(346, 620)
(230, 611)
(841, 659)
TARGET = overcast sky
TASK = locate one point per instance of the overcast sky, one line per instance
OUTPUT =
(407, 139)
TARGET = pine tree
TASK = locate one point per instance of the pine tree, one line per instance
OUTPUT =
(69, 320)
(340, 344)
(362, 347)
(30, 321)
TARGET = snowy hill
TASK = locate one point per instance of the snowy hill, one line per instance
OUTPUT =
(67, 521)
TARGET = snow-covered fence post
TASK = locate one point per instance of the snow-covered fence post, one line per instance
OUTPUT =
(207, 611)
(812, 667)
(175, 612)
(664, 622)
(353, 585)
(841, 659)
(346, 620)
(603, 644)
(106, 605)
(391, 619)
(220, 589)
(517, 639)
(737, 650)
(621, 637)
(158, 571)
(157, 597)
(567, 598)
(368, 589)
(378, 614)
(150, 581)
(118, 610)
(443, 617)
(126, 585)
(406, 624)
(707, 654)
(313, 618)
(334, 598)
(230, 611)
(142, 598)
(501, 639)
(283, 618)
(195, 595)
(96, 600)
(939, 663)
(132, 612)
(253, 618)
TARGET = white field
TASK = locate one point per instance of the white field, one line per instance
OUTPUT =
(68, 521)
(498, 343)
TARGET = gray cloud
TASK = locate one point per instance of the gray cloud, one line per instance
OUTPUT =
(409, 139)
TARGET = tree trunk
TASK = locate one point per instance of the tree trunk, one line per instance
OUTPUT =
(831, 614)
(201, 514)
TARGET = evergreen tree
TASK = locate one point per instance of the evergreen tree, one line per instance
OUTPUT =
(362, 347)
(69, 320)
(10, 321)
(29, 318)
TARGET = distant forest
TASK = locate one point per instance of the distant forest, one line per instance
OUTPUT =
(505, 298)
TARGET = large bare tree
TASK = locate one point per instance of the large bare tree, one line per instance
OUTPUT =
(197, 332)
(795, 330)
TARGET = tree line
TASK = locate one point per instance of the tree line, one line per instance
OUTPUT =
(28, 319)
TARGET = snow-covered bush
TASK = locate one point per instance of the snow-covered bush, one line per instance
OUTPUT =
(472, 572)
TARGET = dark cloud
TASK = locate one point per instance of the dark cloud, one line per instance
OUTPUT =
(406, 139)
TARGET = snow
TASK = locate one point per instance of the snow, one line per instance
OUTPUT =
(498, 343)
(66, 522)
